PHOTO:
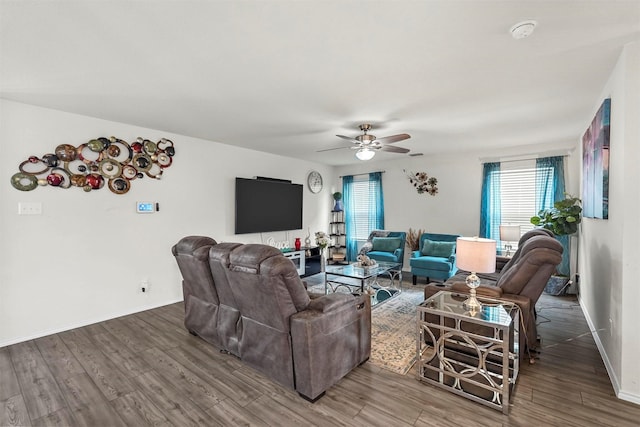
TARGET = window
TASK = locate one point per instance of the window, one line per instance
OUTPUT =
(364, 208)
(518, 195)
(363, 192)
(518, 184)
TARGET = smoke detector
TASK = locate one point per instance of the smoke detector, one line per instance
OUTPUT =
(523, 29)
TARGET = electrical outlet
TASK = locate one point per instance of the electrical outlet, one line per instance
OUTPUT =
(29, 208)
(145, 286)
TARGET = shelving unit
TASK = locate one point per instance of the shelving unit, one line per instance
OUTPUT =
(338, 234)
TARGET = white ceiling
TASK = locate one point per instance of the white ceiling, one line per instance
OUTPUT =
(286, 76)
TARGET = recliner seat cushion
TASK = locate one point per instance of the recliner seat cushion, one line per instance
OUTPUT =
(438, 249)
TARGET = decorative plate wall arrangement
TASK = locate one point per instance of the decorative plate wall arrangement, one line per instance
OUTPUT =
(111, 161)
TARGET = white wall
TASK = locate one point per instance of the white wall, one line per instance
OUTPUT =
(609, 250)
(82, 260)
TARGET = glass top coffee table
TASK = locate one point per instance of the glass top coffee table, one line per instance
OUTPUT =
(362, 280)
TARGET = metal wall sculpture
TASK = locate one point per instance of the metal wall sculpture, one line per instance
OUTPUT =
(90, 166)
(423, 183)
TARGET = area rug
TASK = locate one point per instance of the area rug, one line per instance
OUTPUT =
(393, 331)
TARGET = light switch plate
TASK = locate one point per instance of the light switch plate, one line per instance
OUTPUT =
(29, 208)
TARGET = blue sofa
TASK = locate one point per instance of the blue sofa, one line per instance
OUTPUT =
(435, 258)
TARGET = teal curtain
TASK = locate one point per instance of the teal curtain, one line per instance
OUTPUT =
(549, 181)
(349, 218)
(490, 210)
(550, 189)
(376, 202)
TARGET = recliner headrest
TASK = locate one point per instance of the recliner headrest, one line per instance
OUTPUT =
(535, 232)
(222, 251)
(542, 241)
(188, 245)
(248, 257)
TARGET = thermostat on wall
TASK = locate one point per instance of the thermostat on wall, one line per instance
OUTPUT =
(147, 207)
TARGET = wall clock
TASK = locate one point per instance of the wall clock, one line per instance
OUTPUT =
(314, 181)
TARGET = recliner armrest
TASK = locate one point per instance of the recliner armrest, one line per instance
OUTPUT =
(332, 302)
(339, 323)
(482, 290)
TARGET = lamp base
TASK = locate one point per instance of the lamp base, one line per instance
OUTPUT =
(508, 248)
(471, 304)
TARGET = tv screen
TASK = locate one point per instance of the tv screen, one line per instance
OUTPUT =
(263, 205)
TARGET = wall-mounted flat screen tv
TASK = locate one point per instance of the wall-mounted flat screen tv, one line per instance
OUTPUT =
(267, 205)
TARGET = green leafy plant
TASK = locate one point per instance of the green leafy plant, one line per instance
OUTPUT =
(563, 218)
(337, 195)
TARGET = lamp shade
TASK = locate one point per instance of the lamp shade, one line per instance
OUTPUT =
(510, 233)
(365, 153)
(476, 254)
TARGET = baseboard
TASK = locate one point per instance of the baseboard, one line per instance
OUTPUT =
(622, 395)
(629, 397)
(85, 322)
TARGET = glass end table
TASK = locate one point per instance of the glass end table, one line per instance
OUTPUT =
(472, 354)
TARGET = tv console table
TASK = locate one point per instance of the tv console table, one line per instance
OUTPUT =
(306, 260)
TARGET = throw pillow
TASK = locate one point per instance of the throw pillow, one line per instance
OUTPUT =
(438, 249)
(386, 244)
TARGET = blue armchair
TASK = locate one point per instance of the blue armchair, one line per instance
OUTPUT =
(435, 258)
(386, 246)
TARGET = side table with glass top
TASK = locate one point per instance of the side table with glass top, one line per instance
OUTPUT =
(472, 354)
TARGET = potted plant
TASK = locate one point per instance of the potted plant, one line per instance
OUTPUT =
(337, 197)
(562, 219)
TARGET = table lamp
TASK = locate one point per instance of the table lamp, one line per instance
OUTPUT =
(509, 233)
(476, 255)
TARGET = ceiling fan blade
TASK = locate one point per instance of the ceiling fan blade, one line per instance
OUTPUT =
(394, 149)
(331, 149)
(393, 138)
(348, 138)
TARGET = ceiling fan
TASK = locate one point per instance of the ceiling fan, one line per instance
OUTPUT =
(367, 144)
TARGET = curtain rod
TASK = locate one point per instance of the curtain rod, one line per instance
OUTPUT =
(365, 173)
(519, 157)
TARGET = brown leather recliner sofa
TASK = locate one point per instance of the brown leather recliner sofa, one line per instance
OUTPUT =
(521, 280)
(248, 300)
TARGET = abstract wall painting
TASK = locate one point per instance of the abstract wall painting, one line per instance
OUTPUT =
(595, 164)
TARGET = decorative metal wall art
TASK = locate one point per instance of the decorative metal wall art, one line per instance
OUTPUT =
(422, 182)
(89, 166)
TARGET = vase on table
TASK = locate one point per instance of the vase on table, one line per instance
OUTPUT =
(297, 244)
(323, 261)
(307, 240)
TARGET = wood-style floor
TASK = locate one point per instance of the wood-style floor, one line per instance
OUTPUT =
(145, 369)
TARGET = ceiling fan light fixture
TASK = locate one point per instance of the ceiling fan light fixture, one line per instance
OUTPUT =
(366, 138)
(365, 153)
